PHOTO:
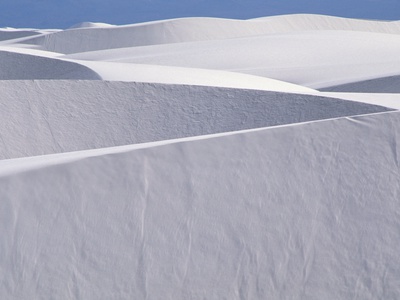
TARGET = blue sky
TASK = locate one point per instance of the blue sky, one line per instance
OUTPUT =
(64, 13)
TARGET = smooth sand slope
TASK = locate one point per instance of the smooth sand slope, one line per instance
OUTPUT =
(43, 117)
(313, 58)
(23, 64)
(151, 73)
(391, 100)
(305, 211)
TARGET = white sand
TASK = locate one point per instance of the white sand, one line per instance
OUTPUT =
(192, 159)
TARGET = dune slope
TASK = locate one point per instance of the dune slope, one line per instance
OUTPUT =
(10, 34)
(305, 211)
(309, 50)
(21, 66)
(129, 72)
(42, 117)
(310, 58)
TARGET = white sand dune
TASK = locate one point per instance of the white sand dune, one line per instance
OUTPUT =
(194, 159)
(326, 54)
(11, 33)
(39, 64)
(22, 63)
(196, 29)
(189, 76)
(159, 32)
(307, 211)
(90, 25)
(301, 22)
(313, 58)
(43, 117)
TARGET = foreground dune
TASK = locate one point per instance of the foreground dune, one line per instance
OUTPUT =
(305, 211)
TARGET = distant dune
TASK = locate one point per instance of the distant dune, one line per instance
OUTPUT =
(390, 84)
(10, 33)
(84, 39)
(311, 58)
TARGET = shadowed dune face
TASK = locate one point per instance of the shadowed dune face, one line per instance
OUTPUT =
(42, 117)
(390, 84)
(15, 34)
(18, 66)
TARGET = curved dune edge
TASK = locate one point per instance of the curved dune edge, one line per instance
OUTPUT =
(111, 71)
(246, 47)
(37, 162)
(90, 25)
(20, 63)
(23, 66)
(43, 117)
(314, 59)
